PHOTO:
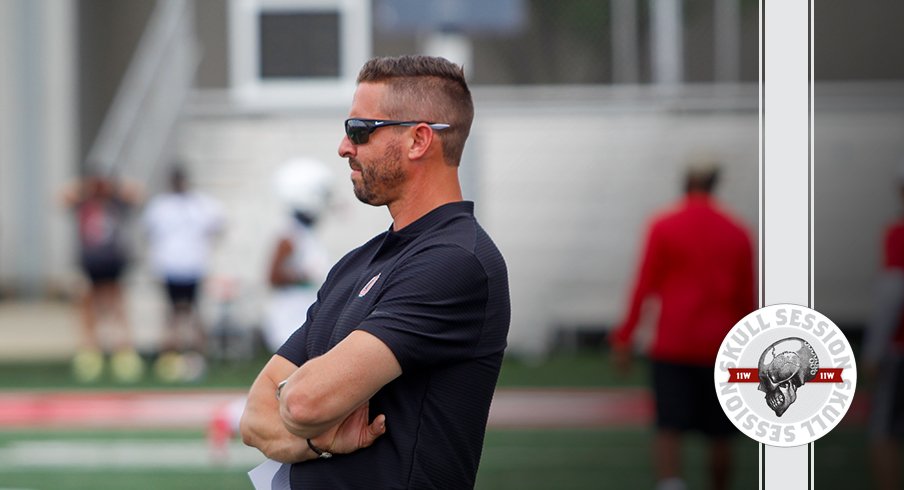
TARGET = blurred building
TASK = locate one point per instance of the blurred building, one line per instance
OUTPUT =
(586, 110)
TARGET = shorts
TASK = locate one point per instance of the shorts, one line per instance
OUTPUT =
(103, 271)
(685, 398)
(182, 292)
(887, 413)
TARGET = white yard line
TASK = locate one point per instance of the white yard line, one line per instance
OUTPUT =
(92, 454)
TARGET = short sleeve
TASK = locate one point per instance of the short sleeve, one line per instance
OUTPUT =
(432, 308)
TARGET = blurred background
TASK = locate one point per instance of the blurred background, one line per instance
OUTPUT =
(586, 114)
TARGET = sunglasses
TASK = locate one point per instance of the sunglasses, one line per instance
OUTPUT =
(358, 130)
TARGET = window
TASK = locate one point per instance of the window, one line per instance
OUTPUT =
(296, 45)
(294, 52)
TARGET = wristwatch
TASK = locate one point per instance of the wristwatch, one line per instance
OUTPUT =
(320, 452)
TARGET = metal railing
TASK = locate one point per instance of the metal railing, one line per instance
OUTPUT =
(135, 136)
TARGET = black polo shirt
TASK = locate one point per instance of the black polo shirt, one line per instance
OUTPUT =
(436, 293)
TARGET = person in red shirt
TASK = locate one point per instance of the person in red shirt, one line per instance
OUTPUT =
(883, 359)
(697, 261)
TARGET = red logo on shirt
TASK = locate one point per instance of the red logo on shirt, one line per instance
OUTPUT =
(370, 284)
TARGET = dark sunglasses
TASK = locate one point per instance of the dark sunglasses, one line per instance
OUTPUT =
(358, 130)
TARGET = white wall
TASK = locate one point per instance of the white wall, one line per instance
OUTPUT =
(567, 193)
(564, 181)
(859, 166)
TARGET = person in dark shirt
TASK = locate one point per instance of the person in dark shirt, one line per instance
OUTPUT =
(388, 382)
(101, 205)
(883, 358)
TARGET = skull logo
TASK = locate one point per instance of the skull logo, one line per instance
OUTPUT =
(784, 367)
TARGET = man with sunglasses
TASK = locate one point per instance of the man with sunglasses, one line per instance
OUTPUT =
(388, 382)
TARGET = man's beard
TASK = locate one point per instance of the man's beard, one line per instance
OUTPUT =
(380, 179)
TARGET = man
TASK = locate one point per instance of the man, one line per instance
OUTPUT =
(388, 383)
(698, 262)
(182, 225)
(883, 358)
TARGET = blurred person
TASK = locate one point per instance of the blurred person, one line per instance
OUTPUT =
(388, 383)
(883, 358)
(102, 205)
(299, 262)
(298, 266)
(182, 225)
(697, 262)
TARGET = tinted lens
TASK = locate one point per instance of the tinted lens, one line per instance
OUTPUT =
(357, 131)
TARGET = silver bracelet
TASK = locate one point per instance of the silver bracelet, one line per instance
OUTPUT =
(279, 387)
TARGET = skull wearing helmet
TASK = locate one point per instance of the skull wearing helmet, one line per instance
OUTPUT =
(784, 367)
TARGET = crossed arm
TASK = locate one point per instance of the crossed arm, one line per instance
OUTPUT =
(325, 400)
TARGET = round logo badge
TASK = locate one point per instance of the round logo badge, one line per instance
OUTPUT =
(785, 375)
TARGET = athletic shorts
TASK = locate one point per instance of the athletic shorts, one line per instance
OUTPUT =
(686, 400)
(887, 412)
(103, 271)
(182, 292)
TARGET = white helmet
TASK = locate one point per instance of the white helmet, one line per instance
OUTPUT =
(303, 184)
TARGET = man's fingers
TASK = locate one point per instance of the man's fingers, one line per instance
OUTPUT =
(379, 424)
(376, 429)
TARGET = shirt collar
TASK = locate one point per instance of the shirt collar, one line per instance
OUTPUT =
(698, 198)
(434, 217)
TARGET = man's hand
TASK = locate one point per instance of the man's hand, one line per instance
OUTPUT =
(353, 433)
(622, 358)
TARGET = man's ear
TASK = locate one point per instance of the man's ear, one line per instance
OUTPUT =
(421, 140)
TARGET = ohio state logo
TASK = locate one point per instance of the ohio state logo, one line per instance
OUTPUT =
(785, 375)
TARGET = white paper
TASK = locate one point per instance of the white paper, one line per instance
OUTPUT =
(270, 475)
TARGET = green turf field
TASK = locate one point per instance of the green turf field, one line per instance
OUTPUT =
(512, 459)
(586, 369)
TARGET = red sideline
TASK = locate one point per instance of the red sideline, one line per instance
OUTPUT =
(512, 408)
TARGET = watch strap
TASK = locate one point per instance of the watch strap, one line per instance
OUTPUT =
(320, 452)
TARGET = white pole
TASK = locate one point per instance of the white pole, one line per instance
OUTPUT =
(667, 42)
(786, 173)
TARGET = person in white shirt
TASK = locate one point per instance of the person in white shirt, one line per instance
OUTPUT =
(182, 225)
(299, 262)
(298, 265)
